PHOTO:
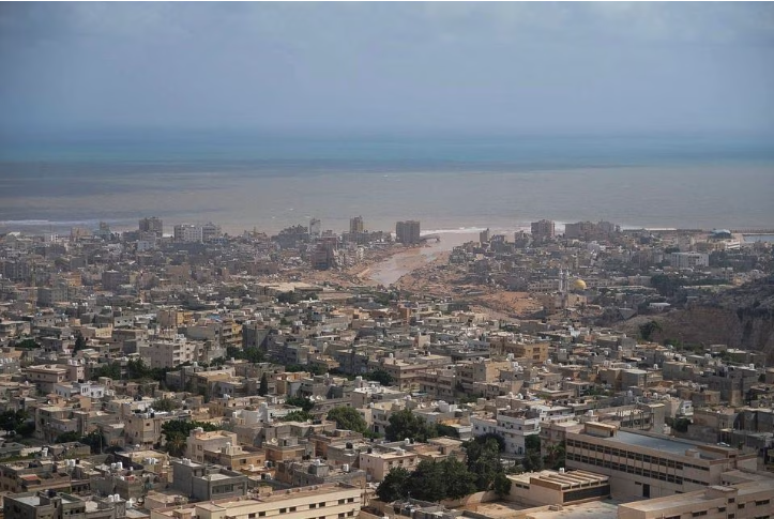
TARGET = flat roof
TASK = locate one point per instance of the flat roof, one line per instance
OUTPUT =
(592, 510)
(651, 442)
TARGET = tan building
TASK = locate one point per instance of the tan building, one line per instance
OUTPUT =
(647, 466)
(200, 441)
(378, 463)
(317, 502)
(749, 500)
(169, 353)
(549, 487)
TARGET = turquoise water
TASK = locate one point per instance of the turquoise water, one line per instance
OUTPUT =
(243, 180)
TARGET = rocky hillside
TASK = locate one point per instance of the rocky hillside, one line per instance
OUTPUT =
(742, 317)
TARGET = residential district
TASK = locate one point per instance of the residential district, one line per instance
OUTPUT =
(541, 375)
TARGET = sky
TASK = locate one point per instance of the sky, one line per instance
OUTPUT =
(525, 67)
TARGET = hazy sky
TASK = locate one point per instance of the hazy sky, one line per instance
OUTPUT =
(556, 67)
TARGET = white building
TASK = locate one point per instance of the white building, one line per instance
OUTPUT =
(513, 426)
(189, 233)
(71, 389)
(688, 260)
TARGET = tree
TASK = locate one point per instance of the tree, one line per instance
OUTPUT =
(165, 404)
(304, 403)
(447, 430)
(556, 456)
(533, 461)
(27, 344)
(348, 418)
(502, 485)
(70, 436)
(94, 440)
(483, 459)
(394, 486)
(381, 376)
(176, 433)
(405, 424)
(112, 370)
(459, 482)
(80, 342)
(263, 388)
(297, 416)
(428, 482)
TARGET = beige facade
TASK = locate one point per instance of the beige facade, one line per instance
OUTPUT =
(558, 488)
(649, 466)
(200, 441)
(317, 502)
(750, 500)
(378, 464)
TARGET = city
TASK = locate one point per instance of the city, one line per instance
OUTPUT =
(153, 374)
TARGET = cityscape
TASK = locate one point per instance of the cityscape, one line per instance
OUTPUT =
(386, 260)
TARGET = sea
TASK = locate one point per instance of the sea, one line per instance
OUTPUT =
(455, 182)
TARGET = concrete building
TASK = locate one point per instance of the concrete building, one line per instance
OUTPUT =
(747, 500)
(206, 482)
(356, 225)
(187, 233)
(549, 487)
(152, 225)
(54, 505)
(645, 465)
(543, 230)
(407, 232)
(200, 441)
(316, 502)
(169, 352)
(513, 425)
(688, 260)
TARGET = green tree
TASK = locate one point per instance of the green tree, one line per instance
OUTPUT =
(70, 436)
(263, 387)
(502, 485)
(533, 461)
(297, 416)
(381, 376)
(303, 402)
(80, 342)
(94, 440)
(459, 482)
(165, 404)
(348, 418)
(405, 424)
(648, 329)
(556, 456)
(112, 370)
(27, 344)
(428, 482)
(394, 486)
(447, 430)
(483, 460)
(176, 433)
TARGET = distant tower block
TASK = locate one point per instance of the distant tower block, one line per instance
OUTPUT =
(356, 225)
(407, 232)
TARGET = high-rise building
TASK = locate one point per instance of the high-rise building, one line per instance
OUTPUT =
(152, 224)
(407, 232)
(315, 228)
(544, 230)
(188, 233)
(356, 225)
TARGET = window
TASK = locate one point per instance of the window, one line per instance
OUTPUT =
(283, 510)
(342, 501)
(740, 506)
(341, 515)
(351, 500)
(721, 509)
(313, 505)
(322, 504)
(292, 508)
(350, 514)
(261, 514)
(764, 502)
(699, 514)
(251, 516)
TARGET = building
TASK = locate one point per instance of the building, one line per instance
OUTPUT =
(746, 500)
(210, 232)
(688, 260)
(54, 505)
(549, 487)
(543, 230)
(644, 465)
(152, 225)
(407, 232)
(513, 425)
(334, 501)
(187, 233)
(169, 352)
(206, 482)
(377, 463)
(315, 228)
(356, 225)
(200, 441)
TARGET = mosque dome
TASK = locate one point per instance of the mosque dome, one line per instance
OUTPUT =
(579, 284)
